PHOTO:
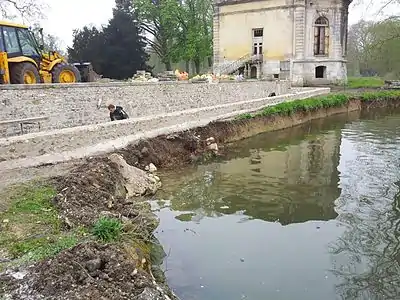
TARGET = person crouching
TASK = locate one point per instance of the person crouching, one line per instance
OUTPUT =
(117, 113)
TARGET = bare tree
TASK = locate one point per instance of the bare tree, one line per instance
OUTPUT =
(27, 10)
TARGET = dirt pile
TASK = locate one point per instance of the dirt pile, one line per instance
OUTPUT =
(174, 150)
(97, 188)
(88, 271)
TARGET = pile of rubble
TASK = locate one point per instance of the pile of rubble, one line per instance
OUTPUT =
(167, 76)
(143, 76)
(392, 84)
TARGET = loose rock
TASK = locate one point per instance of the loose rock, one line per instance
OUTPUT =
(213, 147)
(152, 168)
(137, 182)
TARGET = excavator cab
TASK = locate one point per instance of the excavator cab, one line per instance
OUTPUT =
(23, 60)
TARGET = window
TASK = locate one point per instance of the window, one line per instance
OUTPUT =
(321, 36)
(320, 72)
(258, 32)
(27, 43)
(1, 41)
(11, 40)
(257, 48)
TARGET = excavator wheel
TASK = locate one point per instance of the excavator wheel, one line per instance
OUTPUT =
(65, 73)
(24, 73)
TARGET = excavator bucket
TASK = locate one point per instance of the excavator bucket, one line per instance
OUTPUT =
(86, 70)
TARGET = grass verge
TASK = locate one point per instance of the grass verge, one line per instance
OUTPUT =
(364, 82)
(31, 229)
(313, 104)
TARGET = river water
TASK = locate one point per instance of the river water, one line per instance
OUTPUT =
(311, 212)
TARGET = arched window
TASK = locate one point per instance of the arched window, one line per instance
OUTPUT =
(321, 36)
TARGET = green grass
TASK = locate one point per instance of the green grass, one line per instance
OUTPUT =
(107, 229)
(31, 229)
(364, 82)
(313, 104)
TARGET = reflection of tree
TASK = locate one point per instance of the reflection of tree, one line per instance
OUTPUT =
(367, 255)
(373, 247)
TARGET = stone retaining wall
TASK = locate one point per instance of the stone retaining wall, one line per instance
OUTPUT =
(76, 104)
(42, 147)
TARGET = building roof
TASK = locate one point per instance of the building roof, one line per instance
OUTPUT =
(10, 24)
(231, 2)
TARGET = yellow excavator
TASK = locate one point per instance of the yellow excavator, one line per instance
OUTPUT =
(24, 61)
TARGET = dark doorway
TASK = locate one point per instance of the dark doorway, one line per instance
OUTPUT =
(320, 72)
(253, 72)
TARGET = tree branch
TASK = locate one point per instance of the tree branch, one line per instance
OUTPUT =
(27, 10)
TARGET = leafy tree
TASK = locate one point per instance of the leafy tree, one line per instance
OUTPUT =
(117, 50)
(88, 45)
(124, 47)
(373, 48)
(359, 41)
(193, 41)
(158, 18)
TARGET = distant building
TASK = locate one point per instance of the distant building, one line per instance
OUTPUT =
(304, 40)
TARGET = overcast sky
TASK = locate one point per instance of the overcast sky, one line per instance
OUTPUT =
(64, 16)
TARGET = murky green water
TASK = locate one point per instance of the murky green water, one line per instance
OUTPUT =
(311, 212)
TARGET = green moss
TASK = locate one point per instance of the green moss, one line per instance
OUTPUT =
(30, 226)
(364, 82)
(313, 104)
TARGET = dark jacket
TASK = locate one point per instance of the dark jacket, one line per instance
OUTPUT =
(118, 114)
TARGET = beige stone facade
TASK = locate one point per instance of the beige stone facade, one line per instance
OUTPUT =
(301, 40)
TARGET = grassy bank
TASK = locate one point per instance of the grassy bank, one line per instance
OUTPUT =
(364, 82)
(30, 227)
(33, 230)
(78, 236)
(316, 103)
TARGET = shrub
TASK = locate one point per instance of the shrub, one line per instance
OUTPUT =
(107, 229)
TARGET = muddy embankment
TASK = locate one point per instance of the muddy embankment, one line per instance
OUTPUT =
(199, 144)
(102, 204)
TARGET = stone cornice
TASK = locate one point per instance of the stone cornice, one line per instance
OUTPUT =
(233, 2)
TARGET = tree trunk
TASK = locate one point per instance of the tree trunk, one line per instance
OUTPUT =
(168, 66)
(210, 62)
(187, 66)
(197, 65)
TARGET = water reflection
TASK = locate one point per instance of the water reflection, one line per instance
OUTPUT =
(367, 256)
(313, 212)
(286, 183)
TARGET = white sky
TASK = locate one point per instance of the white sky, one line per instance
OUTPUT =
(64, 16)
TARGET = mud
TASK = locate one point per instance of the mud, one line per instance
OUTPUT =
(88, 271)
(96, 188)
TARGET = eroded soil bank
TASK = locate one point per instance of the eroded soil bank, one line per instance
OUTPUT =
(193, 146)
(84, 235)
(94, 228)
